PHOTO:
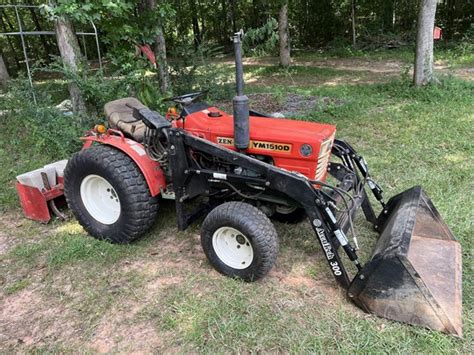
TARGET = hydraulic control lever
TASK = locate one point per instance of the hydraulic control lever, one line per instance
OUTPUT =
(151, 119)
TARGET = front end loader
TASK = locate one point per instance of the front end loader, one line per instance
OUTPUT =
(241, 171)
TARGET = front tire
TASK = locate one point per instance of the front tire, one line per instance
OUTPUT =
(108, 195)
(239, 241)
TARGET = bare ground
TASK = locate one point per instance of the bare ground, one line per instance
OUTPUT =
(362, 71)
(52, 311)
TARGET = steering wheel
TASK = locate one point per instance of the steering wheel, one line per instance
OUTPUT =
(187, 98)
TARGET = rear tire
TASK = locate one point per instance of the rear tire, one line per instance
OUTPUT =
(108, 194)
(239, 241)
(289, 216)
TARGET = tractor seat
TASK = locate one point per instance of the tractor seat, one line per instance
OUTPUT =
(120, 117)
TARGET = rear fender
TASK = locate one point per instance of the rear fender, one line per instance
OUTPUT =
(150, 169)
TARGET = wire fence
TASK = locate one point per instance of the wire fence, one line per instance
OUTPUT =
(23, 34)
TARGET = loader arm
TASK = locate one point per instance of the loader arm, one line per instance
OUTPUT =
(190, 182)
(414, 274)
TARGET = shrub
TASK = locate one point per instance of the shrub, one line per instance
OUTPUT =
(262, 41)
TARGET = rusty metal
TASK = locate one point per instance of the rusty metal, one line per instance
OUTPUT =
(414, 275)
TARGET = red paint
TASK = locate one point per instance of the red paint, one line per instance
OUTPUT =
(35, 202)
(150, 169)
(145, 49)
(437, 33)
(274, 130)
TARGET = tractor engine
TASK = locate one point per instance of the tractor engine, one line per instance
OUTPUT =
(304, 147)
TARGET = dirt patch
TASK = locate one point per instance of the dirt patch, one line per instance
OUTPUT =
(287, 105)
(27, 319)
(119, 331)
(361, 70)
(9, 222)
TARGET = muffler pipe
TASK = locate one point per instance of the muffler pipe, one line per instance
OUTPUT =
(240, 101)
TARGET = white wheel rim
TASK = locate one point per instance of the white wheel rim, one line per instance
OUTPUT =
(232, 248)
(100, 199)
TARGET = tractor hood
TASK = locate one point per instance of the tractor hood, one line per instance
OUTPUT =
(287, 141)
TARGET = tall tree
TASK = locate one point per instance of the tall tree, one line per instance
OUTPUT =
(423, 73)
(3, 71)
(71, 56)
(44, 40)
(353, 20)
(233, 15)
(160, 52)
(9, 40)
(195, 21)
(283, 35)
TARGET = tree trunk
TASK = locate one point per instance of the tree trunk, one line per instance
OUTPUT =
(353, 18)
(195, 21)
(3, 72)
(283, 35)
(450, 22)
(232, 14)
(160, 53)
(44, 40)
(423, 73)
(71, 56)
(10, 42)
(224, 23)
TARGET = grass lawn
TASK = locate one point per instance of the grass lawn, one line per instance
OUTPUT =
(62, 291)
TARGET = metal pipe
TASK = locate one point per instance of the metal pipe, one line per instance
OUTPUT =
(22, 35)
(240, 102)
(19, 5)
(20, 27)
(97, 44)
(239, 69)
(42, 33)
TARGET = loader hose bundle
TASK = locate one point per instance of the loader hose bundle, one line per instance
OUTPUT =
(154, 146)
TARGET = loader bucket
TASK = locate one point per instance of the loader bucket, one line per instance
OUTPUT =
(414, 275)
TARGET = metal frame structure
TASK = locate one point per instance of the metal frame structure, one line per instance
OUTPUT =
(22, 35)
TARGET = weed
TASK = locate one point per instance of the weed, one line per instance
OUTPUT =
(17, 286)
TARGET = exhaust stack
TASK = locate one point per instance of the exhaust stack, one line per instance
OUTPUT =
(240, 101)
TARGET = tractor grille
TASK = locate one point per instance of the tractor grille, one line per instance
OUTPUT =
(323, 159)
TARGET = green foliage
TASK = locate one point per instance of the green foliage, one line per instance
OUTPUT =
(42, 128)
(98, 89)
(17, 286)
(262, 41)
(32, 135)
(192, 70)
(123, 24)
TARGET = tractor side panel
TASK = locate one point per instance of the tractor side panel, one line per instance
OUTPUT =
(284, 140)
(150, 169)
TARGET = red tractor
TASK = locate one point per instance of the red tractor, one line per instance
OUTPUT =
(240, 171)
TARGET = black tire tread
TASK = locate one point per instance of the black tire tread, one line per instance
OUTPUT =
(141, 209)
(293, 217)
(264, 235)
